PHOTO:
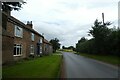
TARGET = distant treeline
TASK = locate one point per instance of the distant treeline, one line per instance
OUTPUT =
(70, 47)
(104, 41)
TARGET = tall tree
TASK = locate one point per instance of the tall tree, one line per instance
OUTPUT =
(82, 40)
(100, 32)
(55, 43)
(104, 41)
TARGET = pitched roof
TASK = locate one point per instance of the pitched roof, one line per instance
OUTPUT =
(47, 42)
(21, 24)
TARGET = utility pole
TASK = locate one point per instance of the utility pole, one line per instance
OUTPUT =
(119, 14)
(103, 17)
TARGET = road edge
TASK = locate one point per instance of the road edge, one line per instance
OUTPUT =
(62, 75)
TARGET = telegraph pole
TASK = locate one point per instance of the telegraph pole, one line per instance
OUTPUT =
(103, 17)
(119, 14)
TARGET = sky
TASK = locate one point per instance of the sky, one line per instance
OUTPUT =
(67, 20)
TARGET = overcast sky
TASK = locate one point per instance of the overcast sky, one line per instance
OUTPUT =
(67, 20)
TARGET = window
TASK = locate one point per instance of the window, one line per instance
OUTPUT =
(40, 40)
(31, 49)
(40, 49)
(17, 49)
(46, 47)
(32, 36)
(18, 31)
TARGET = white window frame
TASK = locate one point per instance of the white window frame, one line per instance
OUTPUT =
(32, 49)
(40, 49)
(18, 47)
(18, 31)
(32, 36)
(40, 40)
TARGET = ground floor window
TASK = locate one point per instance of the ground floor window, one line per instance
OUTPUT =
(40, 49)
(31, 49)
(17, 49)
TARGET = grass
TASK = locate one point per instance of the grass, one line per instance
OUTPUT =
(67, 50)
(105, 58)
(43, 67)
(57, 52)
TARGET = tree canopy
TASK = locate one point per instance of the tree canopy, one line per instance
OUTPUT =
(55, 43)
(7, 7)
(12, 5)
(104, 41)
(70, 47)
(100, 33)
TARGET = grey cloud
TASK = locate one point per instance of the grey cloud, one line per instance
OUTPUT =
(101, 4)
(115, 22)
(64, 32)
(55, 23)
(71, 5)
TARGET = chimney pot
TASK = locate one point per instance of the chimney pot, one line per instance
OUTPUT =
(29, 23)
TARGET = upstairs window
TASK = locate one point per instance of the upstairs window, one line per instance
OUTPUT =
(32, 36)
(40, 40)
(18, 31)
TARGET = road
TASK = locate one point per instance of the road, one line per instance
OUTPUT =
(77, 66)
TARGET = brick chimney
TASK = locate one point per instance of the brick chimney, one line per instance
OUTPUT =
(8, 12)
(29, 24)
(6, 9)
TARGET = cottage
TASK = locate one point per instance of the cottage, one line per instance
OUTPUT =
(20, 40)
(47, 47)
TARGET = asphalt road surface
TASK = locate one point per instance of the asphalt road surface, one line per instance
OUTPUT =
(77, 66)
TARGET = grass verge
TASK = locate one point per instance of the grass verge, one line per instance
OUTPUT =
(67, 50)
(105, 58)
(43, 67)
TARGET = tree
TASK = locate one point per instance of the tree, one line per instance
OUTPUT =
(70, 47)
(83, 39)
(100, 33)
(99, 30)
(9, 6)
(55, 43)
(63, 47)
(105, 41)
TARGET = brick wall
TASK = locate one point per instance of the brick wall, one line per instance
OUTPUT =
(7, 47)
(25, 41)
(47, 47)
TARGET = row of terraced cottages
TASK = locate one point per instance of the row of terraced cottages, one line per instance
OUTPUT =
(20, 40)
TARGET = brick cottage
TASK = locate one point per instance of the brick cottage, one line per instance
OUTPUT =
(20, 40)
